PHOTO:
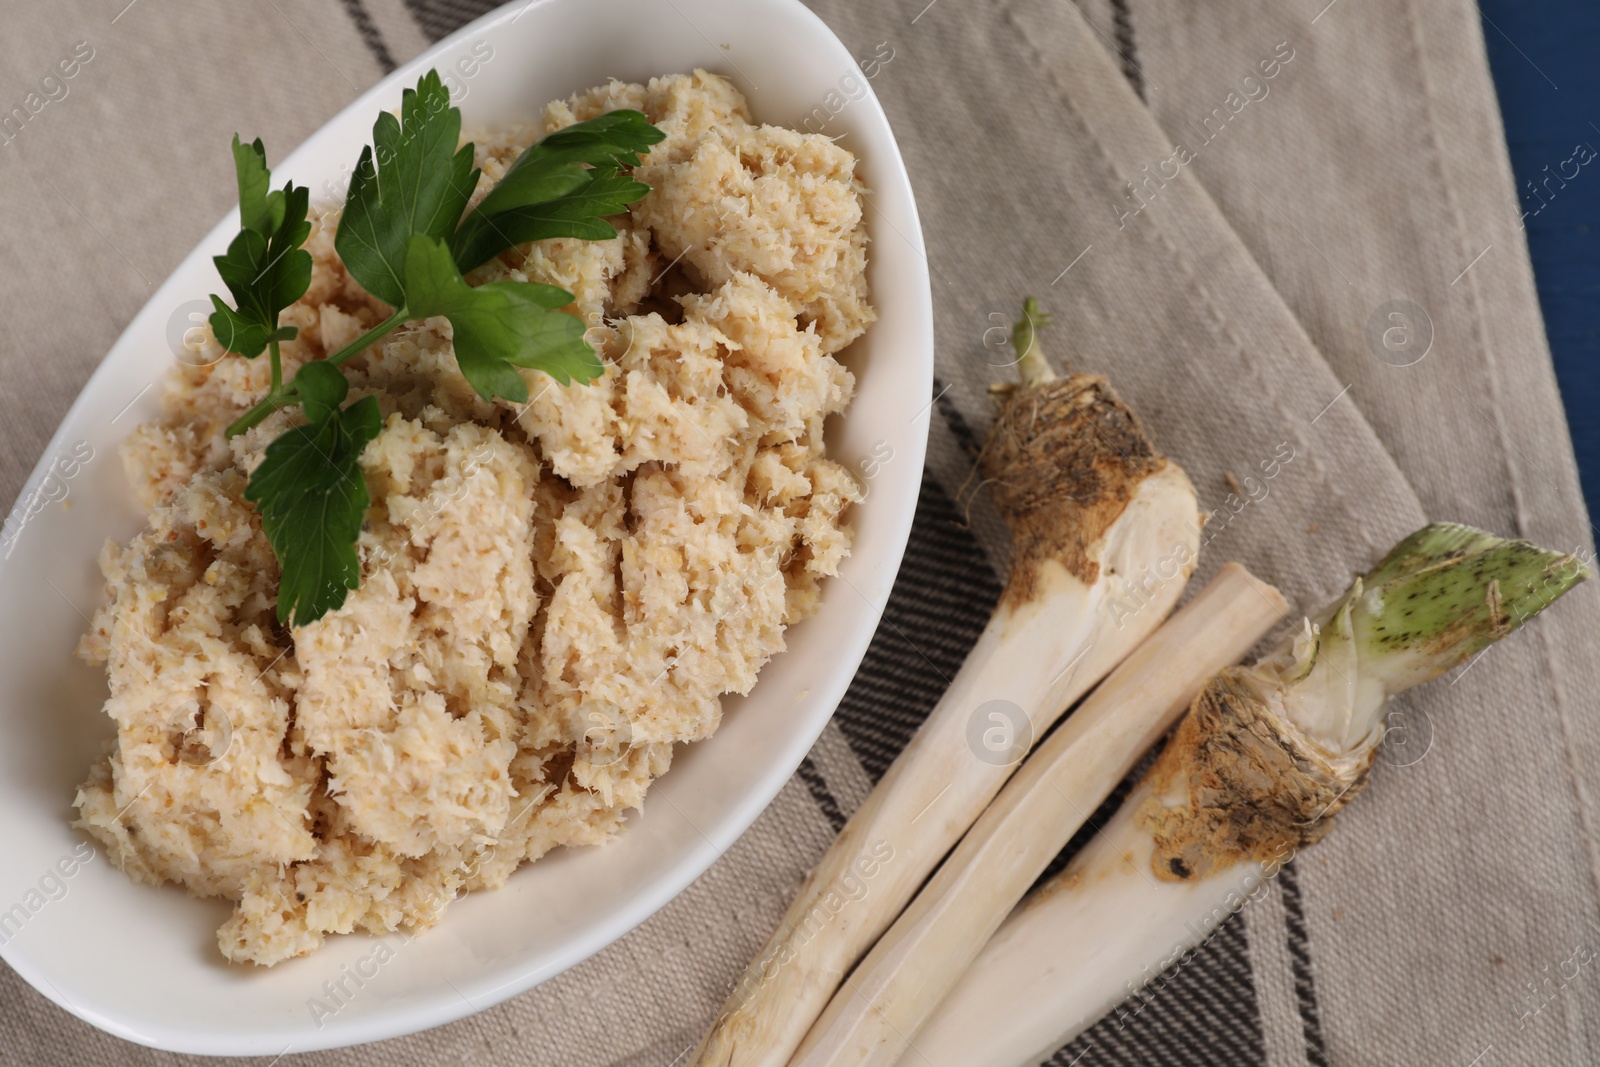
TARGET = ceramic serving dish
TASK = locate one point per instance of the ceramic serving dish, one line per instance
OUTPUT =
(141, 962)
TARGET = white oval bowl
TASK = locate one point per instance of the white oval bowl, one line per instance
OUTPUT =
(141, 962)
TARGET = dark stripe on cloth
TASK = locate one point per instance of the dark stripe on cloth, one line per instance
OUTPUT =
(370, 34)
(821, 793)
(957, 422)
(1305, 989)
(1200, 1012)
(441, 18)
(944, 595)
(1122, 25)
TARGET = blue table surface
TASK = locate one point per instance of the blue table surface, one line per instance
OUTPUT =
(1542, 56)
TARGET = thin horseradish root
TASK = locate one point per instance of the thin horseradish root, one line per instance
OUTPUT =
(1255, 772)
(912, 966)
(1105, 532)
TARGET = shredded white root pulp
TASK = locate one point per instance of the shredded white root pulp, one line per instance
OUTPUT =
(551, 596)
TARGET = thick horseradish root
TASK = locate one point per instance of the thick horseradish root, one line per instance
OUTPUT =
(909, 970)
(1099, 519)
(1256, 771)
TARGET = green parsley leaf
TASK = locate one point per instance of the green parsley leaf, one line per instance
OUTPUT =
(580, 214)
(499, 326)
(321, 388)
(265, 269)
(562, 186)
(260, 209)
(419, 184)
(312, 499)
(562, 161)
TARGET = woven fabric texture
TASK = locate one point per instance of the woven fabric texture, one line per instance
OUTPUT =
(1235, 291)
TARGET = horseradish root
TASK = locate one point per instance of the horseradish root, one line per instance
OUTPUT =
(1105, 533)
(912, 966)
(1256, 770)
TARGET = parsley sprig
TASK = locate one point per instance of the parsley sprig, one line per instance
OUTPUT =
(414, 182)
(265, 269)
(407, 238)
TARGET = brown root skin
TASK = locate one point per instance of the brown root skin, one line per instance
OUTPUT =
(1063, 460)
(1238, 783)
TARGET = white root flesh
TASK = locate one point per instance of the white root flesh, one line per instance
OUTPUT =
(1082, 944)
(910, 969)
(1040, 657)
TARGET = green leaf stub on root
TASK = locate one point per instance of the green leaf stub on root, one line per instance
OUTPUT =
(1438, 598)
(1448, 591)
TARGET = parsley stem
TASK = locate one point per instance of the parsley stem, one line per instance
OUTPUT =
(282, 394)
(371, 337)
(275, 399)
(277, 366)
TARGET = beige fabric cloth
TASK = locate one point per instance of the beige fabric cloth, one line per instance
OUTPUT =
(1230, 302)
